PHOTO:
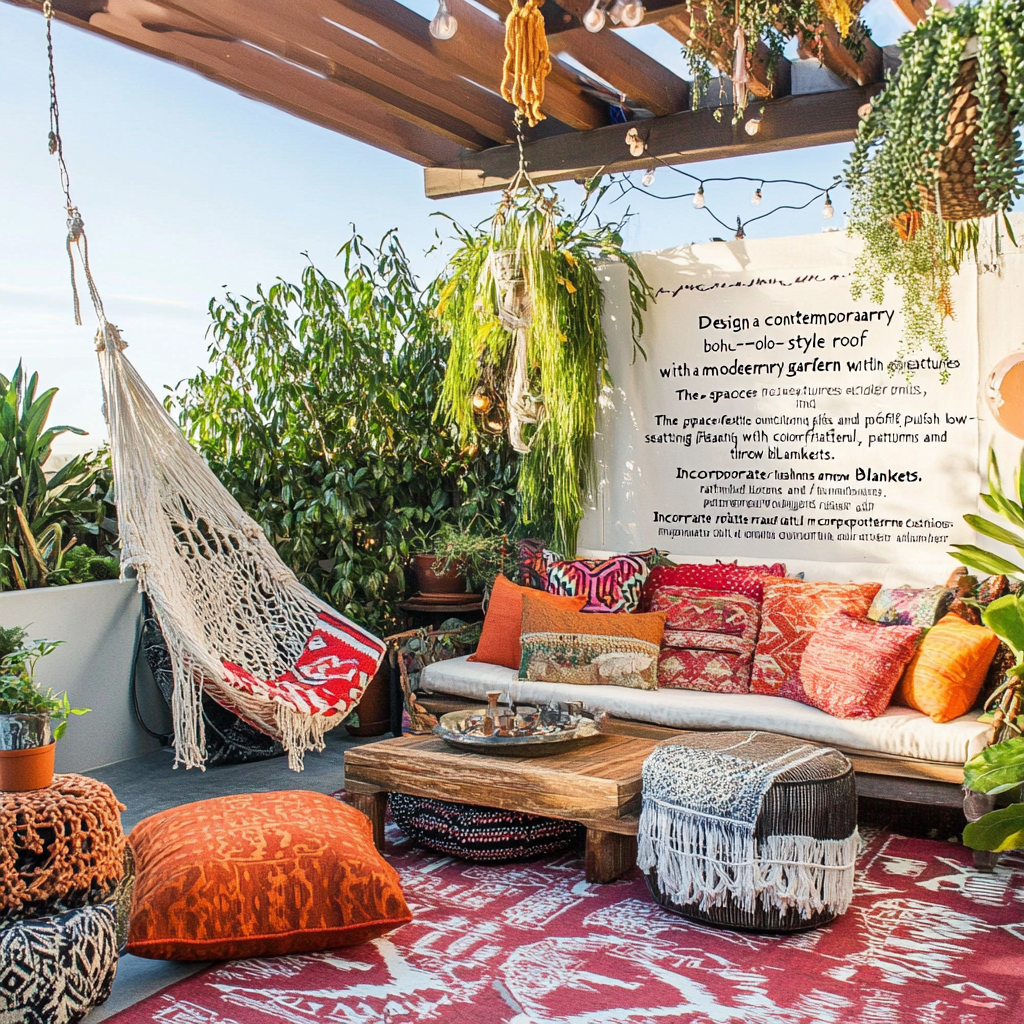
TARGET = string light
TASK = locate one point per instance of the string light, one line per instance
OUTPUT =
(637, 146)
(752, 126)
(755, 199)
(648, 179)
(593, 20)
(630, 13)
(828, 210)
(740, 233)
(698, 198)
(444, 24)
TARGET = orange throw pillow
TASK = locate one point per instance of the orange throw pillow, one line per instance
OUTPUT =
(946, 675)
(610, 649)
(499, 640)
(261, 874)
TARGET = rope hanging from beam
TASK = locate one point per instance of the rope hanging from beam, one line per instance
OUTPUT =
(527, 59)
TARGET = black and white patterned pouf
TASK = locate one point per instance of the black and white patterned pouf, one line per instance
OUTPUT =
(54, 970)
(480, 833)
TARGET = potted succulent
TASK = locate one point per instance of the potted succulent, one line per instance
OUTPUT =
(936, 163)
(31, 721)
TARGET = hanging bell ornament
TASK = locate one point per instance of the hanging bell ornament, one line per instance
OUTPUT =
(481, 401)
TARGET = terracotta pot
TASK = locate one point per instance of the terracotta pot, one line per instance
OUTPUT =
(21, 770)
(428, 582)
(374, 706)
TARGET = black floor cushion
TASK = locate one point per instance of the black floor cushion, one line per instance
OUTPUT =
(480, 833)
(54, 970)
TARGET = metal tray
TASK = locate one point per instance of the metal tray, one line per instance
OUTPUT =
(588, 731)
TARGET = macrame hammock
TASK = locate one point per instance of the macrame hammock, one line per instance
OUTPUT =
(237, 623)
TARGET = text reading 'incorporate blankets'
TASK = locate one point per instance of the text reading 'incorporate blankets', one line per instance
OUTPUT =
(775, 417)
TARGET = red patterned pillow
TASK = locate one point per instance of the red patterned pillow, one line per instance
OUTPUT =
(851, 666)
(792, 610)
(534, 562)
(747, 580)
(709, 639)
(609, 584)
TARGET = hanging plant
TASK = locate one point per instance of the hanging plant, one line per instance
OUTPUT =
(936, 164)
(724, 33)
(521, 303)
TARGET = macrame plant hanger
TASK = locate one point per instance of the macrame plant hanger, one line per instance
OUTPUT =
(237, 623)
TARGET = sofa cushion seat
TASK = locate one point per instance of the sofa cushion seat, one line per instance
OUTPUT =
(897, 732)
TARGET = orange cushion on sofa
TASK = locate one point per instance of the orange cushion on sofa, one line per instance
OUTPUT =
(945, 676)
(499, 640)
(261, 874)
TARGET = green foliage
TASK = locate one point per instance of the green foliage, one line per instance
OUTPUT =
(552, 257)
(997, 831)
(479, 548)
(997, 768)
(42, 517)
(898, 149)
(317, 415)
(1012, 509)
(19, 694)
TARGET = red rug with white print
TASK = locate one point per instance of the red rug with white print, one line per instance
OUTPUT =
(927, 941)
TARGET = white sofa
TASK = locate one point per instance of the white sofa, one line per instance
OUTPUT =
(902, 754)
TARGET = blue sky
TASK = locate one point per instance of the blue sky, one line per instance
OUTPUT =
(187, 188)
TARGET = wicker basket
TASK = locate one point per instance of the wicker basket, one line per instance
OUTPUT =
(958, 193)
(814, 799)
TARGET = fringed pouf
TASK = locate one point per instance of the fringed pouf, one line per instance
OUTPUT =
(749, 830)
(480, 833)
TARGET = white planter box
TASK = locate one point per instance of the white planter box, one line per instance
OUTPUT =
(98, 623)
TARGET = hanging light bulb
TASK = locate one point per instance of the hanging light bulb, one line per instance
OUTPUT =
(755, 199)
(593, 20)
(648, 179)
(752, 126)
(635, 143)
(740, 233)
(828, 210)
(698, 199)
(632, 13)
(481, 400)
(444, 24)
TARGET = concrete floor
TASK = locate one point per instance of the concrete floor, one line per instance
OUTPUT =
(148, 784)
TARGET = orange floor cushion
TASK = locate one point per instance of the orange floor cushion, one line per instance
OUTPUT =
(260, 874)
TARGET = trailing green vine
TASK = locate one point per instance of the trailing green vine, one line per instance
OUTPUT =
(896, 170)
(521, 302)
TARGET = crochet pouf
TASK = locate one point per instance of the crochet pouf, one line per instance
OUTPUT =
(54, 970)
(480, 833)
(749, 830)
(60, 847)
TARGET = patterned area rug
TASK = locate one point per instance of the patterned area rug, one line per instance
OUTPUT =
(927, 941)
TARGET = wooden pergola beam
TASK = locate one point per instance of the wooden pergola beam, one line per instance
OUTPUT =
(180, 38)
(817, 119)
(916, 10)
(829, 49)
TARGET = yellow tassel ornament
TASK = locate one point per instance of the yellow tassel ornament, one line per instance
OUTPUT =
(842, 13)
(527, 59)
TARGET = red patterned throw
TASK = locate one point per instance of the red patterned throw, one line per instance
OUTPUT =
(928, 940)
(851, 666)
(747, 580)
(791, 612)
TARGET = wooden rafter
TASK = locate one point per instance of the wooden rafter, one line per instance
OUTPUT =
(829, 49)
(916, 10)
(817, 119)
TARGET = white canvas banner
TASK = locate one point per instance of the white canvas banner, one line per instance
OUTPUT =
(769, 420)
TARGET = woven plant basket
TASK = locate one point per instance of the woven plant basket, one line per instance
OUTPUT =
(958, 193)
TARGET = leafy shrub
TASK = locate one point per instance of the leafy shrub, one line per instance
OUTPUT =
(317, 414)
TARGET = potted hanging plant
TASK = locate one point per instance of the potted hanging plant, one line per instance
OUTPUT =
(31, 721)
(936, 163)
(521, 303)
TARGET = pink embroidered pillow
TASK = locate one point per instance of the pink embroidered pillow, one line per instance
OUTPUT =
(609, 584)
(709, 639)
(747, 580)
(791, 611)
(851, 666)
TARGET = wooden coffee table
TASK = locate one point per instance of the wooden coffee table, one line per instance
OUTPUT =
(598, 785)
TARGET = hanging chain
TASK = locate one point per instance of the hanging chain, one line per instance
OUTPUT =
(76, 226)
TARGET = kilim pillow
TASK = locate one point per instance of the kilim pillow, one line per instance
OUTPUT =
(792, 610)
(709, 639)
(851, 666)
(260, 874)
(499, 640)
(573, 647)
(480, 833)
(609, 584)
(910, 606)
(534, 562)
(947, 673)
(55, 969)
(747, 580)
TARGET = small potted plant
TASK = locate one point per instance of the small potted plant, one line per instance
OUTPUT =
(475, 549)
(30, 721)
